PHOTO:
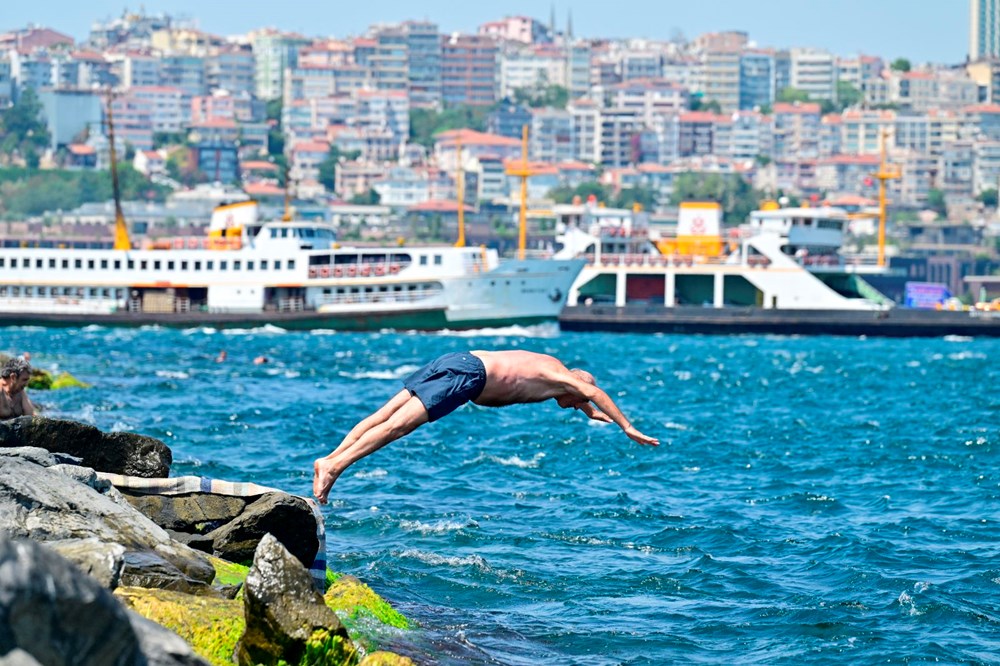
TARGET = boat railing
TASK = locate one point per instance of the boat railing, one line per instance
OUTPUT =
(194, 243)
(291, 304)
(363, 269)
(378, 297)
(652, 260)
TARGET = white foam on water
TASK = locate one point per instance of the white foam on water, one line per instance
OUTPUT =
(173, 374)
(440, 527)
(373, 474)
(550, 330)
(399, 373)
(204, 330)
(437, 560)
(957, 338)
(266, 329)
(515, 461)
(323, 331)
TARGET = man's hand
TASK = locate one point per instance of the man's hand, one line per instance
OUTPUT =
(637, 436)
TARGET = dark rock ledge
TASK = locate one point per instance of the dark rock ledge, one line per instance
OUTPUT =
(94, 573)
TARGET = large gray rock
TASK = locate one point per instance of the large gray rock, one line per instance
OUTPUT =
(39, 456)
(53, 612)
(161, 646)
(192, 513)
(286, 517)
(116, 452)
(284, 612)
(45, 505)
(101, 560)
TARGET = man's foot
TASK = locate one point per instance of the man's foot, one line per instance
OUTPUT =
(325, 472)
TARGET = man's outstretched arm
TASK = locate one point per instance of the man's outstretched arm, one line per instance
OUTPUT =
(606, 405)
(594, 413)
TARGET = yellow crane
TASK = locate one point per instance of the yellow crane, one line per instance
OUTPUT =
(885, 173)
(523, 170)
(122, 241)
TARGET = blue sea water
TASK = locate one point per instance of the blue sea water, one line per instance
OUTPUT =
(814, 499)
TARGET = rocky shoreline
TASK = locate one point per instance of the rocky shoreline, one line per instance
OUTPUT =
(106, 559)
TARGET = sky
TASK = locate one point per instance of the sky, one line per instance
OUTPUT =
(920, 30)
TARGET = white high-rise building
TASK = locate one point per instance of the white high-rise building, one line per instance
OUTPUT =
(984, 29)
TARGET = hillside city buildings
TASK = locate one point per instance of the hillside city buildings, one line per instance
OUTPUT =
(789, 119)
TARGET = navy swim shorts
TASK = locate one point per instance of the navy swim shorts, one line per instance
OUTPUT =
(447, 383)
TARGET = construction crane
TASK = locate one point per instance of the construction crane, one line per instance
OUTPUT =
(122, 241)
(885, 173)
(523, 170)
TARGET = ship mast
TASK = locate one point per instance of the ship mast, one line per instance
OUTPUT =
(885, 173)
(122, 241)
(460, 185)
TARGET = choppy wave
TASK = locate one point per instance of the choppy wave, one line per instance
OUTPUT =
(266, 329)
(798, 515)
(547, 330)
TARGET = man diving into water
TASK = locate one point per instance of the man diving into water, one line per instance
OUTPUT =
(487, 378)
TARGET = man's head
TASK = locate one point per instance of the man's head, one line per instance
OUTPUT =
(570, 401)
(15, 375)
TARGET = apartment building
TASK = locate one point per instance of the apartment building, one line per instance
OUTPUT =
(720, 78)
(469, 68)
(273, 53)
(551, 136)
(813, 71)
(796, 131)
(756, 79)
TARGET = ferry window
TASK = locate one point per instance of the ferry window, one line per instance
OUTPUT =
(78, 263)
(38, 263)
(184, 265)
(90, 264)
(1, 262)
(274, 233)
(209, 265)
(284, 233)
(263, 264)
(104, 263)
(42, 291)
(65, 263)
(29, 291)
(277, 264)
(119, 293)
(223, 265)
(92, 293)
(118, 264)
(143, 265)
(170, 265)
(437, 259)
(237, 264)
(326, 292)
(3, 291)
(423, 260)
(105, 293)
(67, 291)
(15, 291)
(291, 264)
(249, 265)
(130, 264)
(197, 265)
(156, 264)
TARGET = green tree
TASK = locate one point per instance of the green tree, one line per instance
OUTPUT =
(936, 201)
(847, 94)
(23, 128)
(646, 197)
(698, 103)
(583, 190)
(988, 197)
(328, 167)
(791, 95)
(543, 95)
(426, 123)
(900, 65)
(369, 198)
(735, 195)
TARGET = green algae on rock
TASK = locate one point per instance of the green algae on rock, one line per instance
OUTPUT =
(386, 659)
(210, 625)
(352, 599)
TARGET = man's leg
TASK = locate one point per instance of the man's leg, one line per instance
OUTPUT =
(401, 421)
(369, 422)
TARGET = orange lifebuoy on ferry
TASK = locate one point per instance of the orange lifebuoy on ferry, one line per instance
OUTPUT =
(192, 243)
(380, 270)
(366, 270)
(313, 271)
(352, 271)
(394, 268)
(178, 243)
(338, 272)
(324, 271)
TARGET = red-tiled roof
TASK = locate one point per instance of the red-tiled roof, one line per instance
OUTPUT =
(851, 159)
(473, 138)
(80, 149)
(311, 147)
(258, 165)
(439, 206)
(798, 107)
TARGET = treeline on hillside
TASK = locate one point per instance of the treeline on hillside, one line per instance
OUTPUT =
(26, 192)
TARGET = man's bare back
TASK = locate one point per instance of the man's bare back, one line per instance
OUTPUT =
(516, 377)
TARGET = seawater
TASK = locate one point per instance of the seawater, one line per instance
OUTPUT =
(814, 499)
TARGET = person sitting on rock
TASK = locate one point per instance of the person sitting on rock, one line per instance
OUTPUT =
(487, 378)
(14, 376)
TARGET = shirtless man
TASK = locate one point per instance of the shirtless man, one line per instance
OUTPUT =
(14, 376)
(487, 378)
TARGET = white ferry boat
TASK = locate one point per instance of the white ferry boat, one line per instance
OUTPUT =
(292, 274)
(782, 258)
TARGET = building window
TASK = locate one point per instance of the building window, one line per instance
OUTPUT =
(156, 264)
(170, 265)
(118, 264)
(143, 265)
(90, 264)
(104, 263)
(291, 264)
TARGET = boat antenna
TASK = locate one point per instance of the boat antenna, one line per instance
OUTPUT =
(885, 172)
(122, 241)
(460, 184)
(521, 169)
